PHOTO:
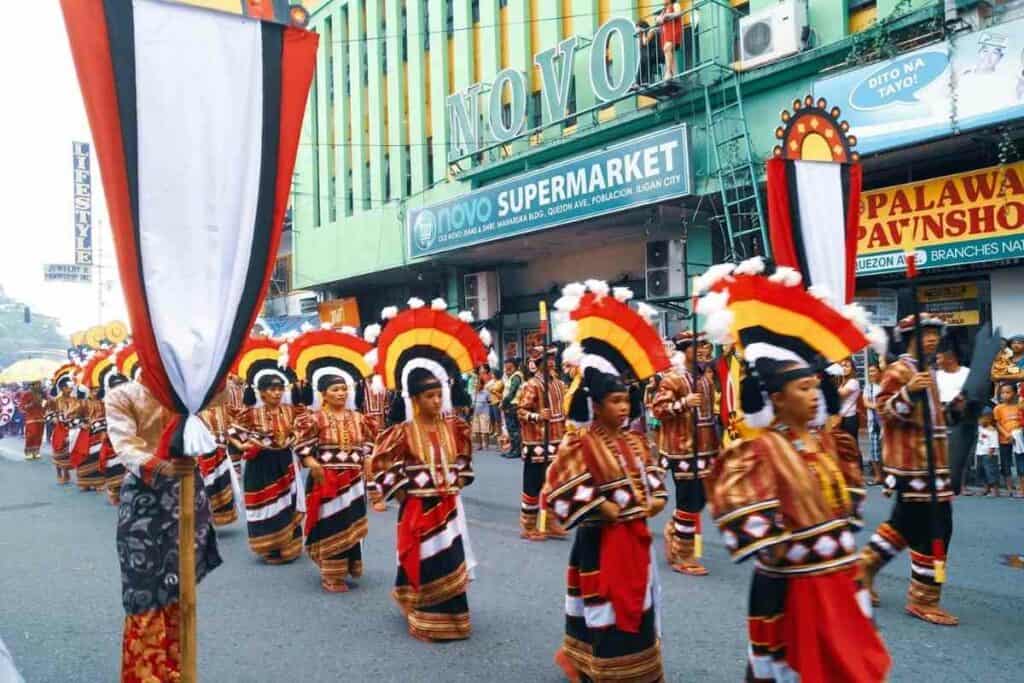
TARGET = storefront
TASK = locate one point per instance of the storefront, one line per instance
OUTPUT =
(596, 215)
(967, 231)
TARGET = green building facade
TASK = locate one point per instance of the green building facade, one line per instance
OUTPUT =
(381, 149)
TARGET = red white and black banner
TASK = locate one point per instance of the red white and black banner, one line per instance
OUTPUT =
(812, 217)
(195, 118)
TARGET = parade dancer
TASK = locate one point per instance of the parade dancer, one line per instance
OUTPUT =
(147, 534)
(62, 411)
(784, 497)
(606, 483)
(684, 405)
(917, 473)
(424, 461)
(333, 441)
(97, 375)
(216, 467)
(33, 407)
(375, 402)
(264, 433)
(541, 415)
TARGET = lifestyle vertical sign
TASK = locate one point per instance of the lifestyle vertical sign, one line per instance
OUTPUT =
(82, 168)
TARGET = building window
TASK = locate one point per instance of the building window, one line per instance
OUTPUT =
(281, 278)
(502, 3)
(863, 13)
(407, 170)
(476, 11)
(349, 195)
(536, 111)
(405, 34)
(506, 115)
(315, 135)
(449, 18)
(570, 112)
(430, 161)
(426, 25)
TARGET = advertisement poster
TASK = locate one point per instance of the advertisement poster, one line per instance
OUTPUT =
(641, 171)
(911, 98)
(510, 345)
(971, 217)
(81, 160)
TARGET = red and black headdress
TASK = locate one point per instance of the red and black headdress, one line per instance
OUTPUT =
(127, 360)
(423, 347)
(320, 357)
(614, 345)
(258, 364)
(100, 372)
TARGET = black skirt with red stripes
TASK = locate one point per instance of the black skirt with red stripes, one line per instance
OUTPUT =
(274, 523)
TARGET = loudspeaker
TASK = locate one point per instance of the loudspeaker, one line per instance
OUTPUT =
(665, 269)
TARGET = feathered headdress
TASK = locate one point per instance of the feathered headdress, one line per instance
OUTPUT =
(63, 375)
(427, 339)
(775, 321)
(609, 338)
(126, 358)
(258, 358)
(100, 373)
(319, 354)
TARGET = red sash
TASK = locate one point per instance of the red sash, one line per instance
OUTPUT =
(625, 564)
(413, 526)
(106, 453)
(334, 481)
(59, 437)
(80, 449)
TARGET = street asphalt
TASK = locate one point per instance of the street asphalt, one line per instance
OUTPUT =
(60, 609)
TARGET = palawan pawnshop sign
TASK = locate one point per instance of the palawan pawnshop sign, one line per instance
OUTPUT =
(644, 170)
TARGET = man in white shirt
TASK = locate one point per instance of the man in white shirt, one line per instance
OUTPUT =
(950, 376)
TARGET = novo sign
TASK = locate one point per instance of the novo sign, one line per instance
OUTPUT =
(608, 82)
(641, 171)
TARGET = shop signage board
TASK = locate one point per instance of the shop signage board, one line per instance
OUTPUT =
(968, 218)
(66, 272)
(935, 91)
(955, 304)
(882, 304)
(641, 171)
(340, 312)
(81, 160)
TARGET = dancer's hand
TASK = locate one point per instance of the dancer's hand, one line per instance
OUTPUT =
(609, 511)
(316, 470)
(656, 506)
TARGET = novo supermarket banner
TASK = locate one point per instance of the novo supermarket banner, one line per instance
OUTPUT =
(967, 218)
(911, 98)
(641, 171)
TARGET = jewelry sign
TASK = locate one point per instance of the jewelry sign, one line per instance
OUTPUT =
(82, 166)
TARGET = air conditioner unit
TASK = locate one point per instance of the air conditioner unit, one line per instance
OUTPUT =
(665, 270)
(482, 294)
(772, 33)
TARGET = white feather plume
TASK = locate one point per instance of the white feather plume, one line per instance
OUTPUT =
(836, 370)
(416, 302)
(371, 333)
(622, 294)
(678, 360)
(371, 357)
(857, 314)
(282, 356)
(572, 355)
(821, 293)
(326, 326)
(600, 288)
(566, 331)
(751, 266)
(713, 276)
(378, 384)
(348, 329)
(718, 327)
(492, 359)
(712, 303)
(576, 289)
(466, 316)
(485, 337)
(646, 310)
(439, 304)
(389, 312)
(787, 276)
(305, 327)
(878, 338)
(567, 304)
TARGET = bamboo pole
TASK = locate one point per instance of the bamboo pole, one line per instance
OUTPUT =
(187, 577)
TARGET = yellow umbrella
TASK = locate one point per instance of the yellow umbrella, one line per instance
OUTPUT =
(29, 370)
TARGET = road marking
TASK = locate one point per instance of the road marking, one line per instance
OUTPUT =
(23, 506)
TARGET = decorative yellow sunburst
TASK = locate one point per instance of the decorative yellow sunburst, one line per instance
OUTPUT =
(813, 132)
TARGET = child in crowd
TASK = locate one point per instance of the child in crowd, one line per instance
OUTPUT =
(1008, 421)
(481, 414)
(987, 451)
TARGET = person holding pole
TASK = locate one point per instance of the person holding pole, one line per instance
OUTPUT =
(687, 442)
(147, 534)
(917, 472)
(542, 425)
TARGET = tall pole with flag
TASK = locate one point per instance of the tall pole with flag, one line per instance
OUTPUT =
(938, 542)
(195, 118)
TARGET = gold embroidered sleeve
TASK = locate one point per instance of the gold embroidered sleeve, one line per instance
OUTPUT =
(569, 489)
